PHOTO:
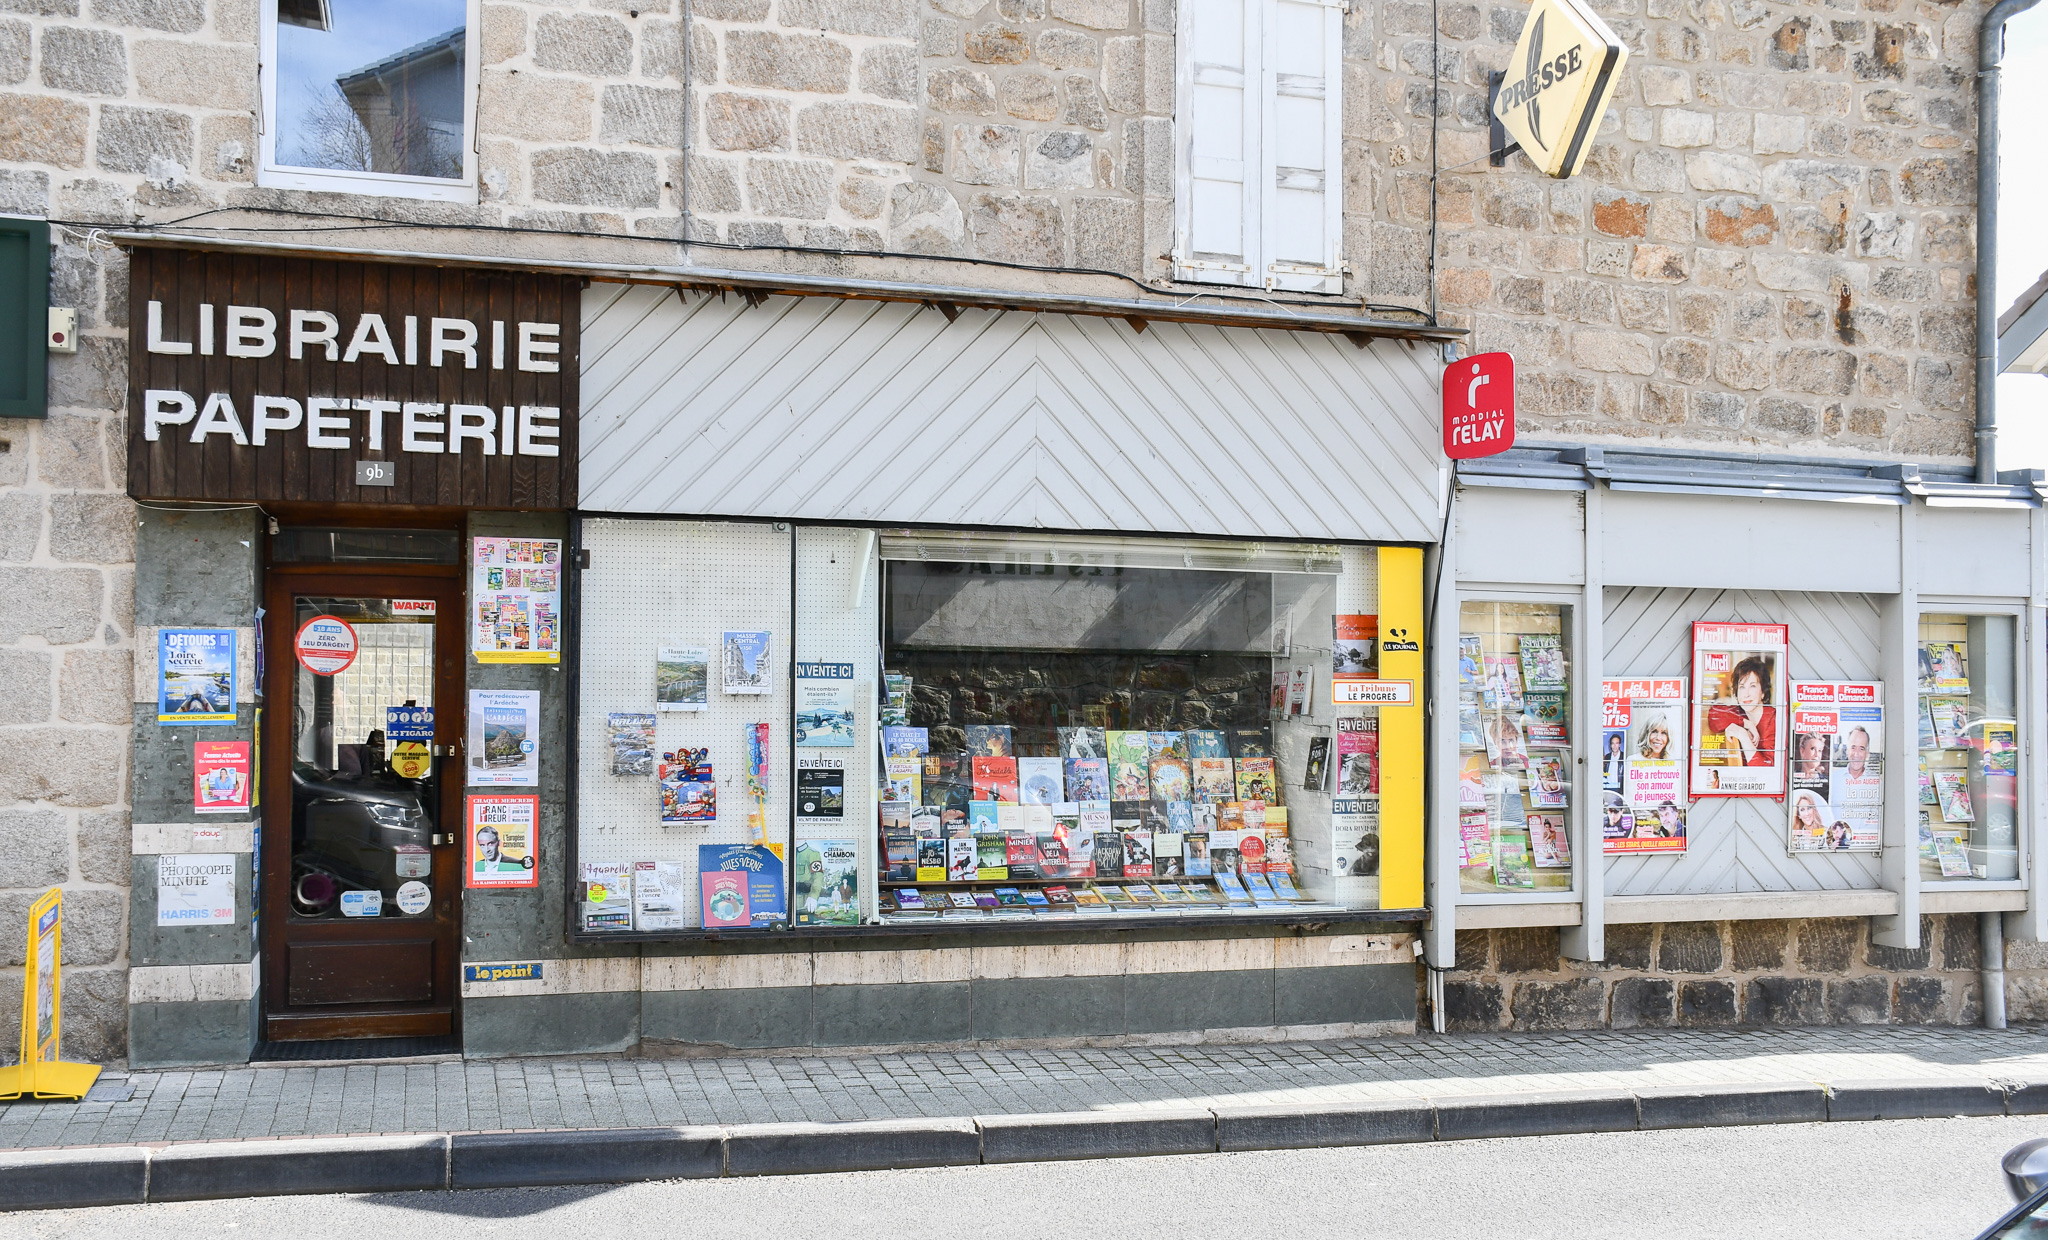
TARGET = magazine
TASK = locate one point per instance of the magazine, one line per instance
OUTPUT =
(1475, 842)
(631, 737)
(1511, 863)
(1547, 787)
(1506, 750)
(1950, 721)
(1214, 780)
(1953, 789)
(1944, 668)
(1550, 842)
(1471, 666)
(682, 678)
(1504, 682)
(1542, 661)
(1952, 854)
(1546, 719)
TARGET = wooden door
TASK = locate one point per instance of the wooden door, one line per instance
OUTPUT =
(351, 947)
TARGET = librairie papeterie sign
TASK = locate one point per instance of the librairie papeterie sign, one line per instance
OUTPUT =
(271, 379)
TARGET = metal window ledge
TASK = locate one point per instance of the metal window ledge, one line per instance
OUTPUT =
(1041, 928)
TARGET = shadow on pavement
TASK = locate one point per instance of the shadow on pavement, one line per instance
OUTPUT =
(492, 1202)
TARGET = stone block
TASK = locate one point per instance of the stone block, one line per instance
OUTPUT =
(1720, 410)
(1962, 944)
(1716, 1105)
(1823, 372)
(35, 844)
(1941, 385)
(25, 675)
(61, 605)
(797, 62)
(858, 131)
(925, 219)
(1107, 234)
(1068, 49)
(960, 90)
(1729, 220)
(1690, 947)
(197, 74)
(1920, 1001)
(1786, 417)
(1022, 10)
(503, 35)
(1061, 159)
(1613, 352)
(1018, 229)
(1534, 1114)
(889, 70)
(95, 686)
(714, 185)
(1083, 103)
(42, 129)
(227, 150)
(1628, 945)
(1664, 86)
(1030, 97)
(596, 178)
(1642, 1003)
(938, 36)
(997, 44)
(1093, 1134)
(876, 1145)
(863, 197)
(1787, 1001)
(86, 62)
(1950, 330)
(1323, 1125)
(537, 108)
(1583, 301)
(1123, 74)
(95, 927)
(889, 19)
(24, 193)
(1659, 264)
(1758, 944)
(1811, 180)
(592, 44)
(1859, 1001)
(1576, 1004)
(1528, 949)
(746, 123)
(1683, 127)
(14, 53)
(92, 529)
(106, 844)
(1707, 1004)
(987, 154)
(1471, 1006)
(646, 115)
(21, 526)
(1094, 14)
(934, 144)
(1619, 213)
(796, 188)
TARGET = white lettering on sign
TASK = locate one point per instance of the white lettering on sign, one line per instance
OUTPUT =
(511, 430)
(251, 331)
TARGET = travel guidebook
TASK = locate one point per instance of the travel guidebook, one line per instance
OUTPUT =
(682, 678)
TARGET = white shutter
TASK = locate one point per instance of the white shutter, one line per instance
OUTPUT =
(1218, 119)
(1300, 177)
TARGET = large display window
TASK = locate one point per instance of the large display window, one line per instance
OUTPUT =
(1515, 695)
(1074, 727)
(1968, 747)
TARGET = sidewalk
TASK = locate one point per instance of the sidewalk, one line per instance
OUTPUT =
(525, 1095)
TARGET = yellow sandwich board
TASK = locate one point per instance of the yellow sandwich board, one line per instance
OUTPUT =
(40, 1074)
(1558, 83)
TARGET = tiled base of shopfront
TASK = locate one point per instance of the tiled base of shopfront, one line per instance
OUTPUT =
(1702, 974)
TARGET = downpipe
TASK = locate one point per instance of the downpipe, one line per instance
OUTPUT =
(1990, 55)
(1991, 939)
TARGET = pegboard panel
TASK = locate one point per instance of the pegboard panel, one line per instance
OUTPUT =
(652, 584)
(838, 591)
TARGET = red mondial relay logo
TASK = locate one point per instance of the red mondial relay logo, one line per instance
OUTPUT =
(1479, 406)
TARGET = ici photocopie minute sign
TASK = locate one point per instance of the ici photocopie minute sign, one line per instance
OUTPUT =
(270, 379)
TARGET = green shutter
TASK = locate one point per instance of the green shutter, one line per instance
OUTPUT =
(24, 318)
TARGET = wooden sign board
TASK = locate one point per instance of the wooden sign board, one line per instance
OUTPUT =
(255, 378)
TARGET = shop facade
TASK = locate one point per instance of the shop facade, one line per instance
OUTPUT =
(1880, 627)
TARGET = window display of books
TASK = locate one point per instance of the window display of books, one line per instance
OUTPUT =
(1968, 741)
(1114, 822)
(1515, 735)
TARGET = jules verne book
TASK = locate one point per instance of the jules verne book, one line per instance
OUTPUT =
(1256, 780)
(995, 779)
(1083, 743)
(1171, 780)
(989, 740)
(1214, 779)
(1233, 890)
(1283, 886)
(1130, 766)
(1207, 743)
(1261, 891)
(1087, 779)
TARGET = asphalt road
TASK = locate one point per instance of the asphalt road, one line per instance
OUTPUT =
(1914, 1178)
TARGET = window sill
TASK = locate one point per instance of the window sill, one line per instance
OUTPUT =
(422, 189)
(1034, 925)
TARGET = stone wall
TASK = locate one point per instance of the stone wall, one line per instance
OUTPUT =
(67, 585)
(1771, 246)
(1814, 971)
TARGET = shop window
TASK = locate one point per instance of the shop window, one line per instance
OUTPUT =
(1515, 684)
(1076, 727)
(368, 97)
(1969, 747)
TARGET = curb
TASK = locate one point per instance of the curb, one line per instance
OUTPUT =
(130, 1175)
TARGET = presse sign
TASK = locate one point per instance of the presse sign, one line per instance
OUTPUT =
(293, 379)
(1558, 83)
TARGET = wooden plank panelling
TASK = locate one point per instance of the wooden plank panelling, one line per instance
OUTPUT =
(198, 455)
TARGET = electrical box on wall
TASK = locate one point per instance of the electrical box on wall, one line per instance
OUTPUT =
(24, 317)
(63, 331)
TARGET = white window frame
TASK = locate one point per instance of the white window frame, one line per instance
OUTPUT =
(270, 174)
(1261, 269)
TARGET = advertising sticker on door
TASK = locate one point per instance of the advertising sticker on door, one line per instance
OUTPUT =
(326, 645)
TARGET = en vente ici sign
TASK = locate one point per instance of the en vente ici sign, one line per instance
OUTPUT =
(327, 421)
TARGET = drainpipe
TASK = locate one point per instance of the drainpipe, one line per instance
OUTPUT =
(1991, 936)
(1990, 51)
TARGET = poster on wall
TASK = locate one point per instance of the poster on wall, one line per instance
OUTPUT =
(1643, 736)
(743, 661)
(501, 840)
(221, 777)
(1837, 763)
(516, 590)
(764, 898)
(195, 676)
(688, 791)
(682, 678)
(195, 890)
(504, 732)
(824, 705)
(1738, 676)
(828, 883)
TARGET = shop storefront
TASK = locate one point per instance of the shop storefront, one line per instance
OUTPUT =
(1691, 690)
(352, 481)
(729, 671)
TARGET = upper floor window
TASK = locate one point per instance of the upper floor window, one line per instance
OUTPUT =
(1259, 199)
(370, 97)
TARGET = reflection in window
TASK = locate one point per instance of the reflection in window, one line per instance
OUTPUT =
(1514, 741)
(372, 86)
